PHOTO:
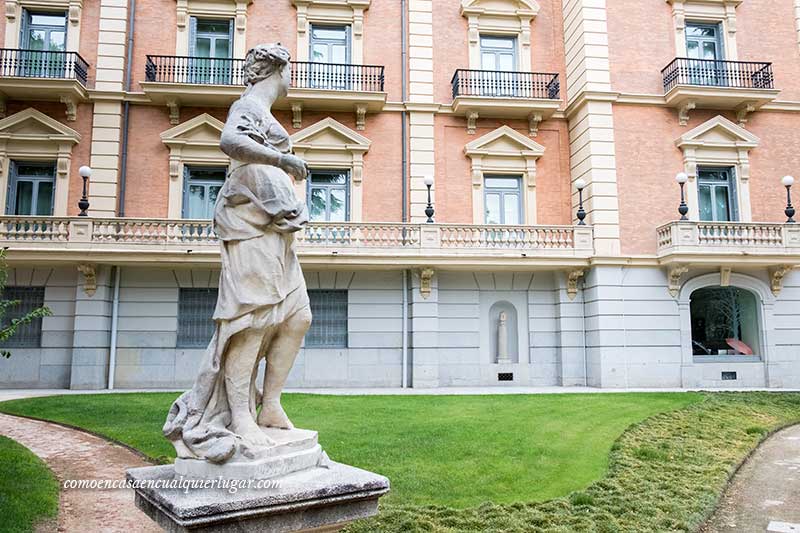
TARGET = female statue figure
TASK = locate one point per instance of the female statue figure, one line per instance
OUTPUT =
(263, 308)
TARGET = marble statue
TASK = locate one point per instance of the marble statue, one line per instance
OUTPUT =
(502, 338)
(263, 308)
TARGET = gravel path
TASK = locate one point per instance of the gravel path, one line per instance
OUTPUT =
(765, 493)
(72, 454)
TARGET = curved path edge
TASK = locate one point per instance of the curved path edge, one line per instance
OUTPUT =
(74, 454)
(764, 494)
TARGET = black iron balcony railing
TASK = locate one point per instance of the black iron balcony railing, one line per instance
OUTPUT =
(305, 75)
(717, 73)
(19, 63)
(337, 76)
(506, 84)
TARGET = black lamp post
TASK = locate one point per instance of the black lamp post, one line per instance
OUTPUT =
(83, 204)
(580, 184)
(787, 182)
(683, 209)
(429, 210)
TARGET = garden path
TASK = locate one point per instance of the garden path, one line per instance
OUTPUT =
(73, 454)
(765, 493)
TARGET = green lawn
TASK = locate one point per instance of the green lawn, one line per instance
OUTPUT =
(457, 451)
(28, 490)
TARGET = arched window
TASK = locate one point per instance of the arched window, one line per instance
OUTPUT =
(725, 321)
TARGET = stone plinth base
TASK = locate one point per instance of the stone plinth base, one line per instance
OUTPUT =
(294, 450)
(319, 499)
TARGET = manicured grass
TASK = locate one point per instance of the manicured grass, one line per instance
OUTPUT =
(28, 490)
(666, 475)
(457, 451)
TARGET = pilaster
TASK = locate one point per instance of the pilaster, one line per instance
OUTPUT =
(424, 329)
(92, 334)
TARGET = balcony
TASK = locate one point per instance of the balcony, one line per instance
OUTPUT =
(194, 81)
(753, 243)
(153, 241)
(739, 86)
(41, 75)
(535, 96)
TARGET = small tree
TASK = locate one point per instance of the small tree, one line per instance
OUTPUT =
(9, 328)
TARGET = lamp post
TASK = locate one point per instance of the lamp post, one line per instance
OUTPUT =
(580, 184)
(787, 182)
(429, 210)
(83, 204)
(683, 209)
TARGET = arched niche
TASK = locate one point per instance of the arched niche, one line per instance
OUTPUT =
(504, 330)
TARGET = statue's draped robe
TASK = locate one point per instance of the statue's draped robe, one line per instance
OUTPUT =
(260, 285)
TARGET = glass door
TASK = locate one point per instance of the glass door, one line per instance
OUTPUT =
(503, 200)
(201, 189)
(44, 37)
(330, 57)
(705, 53)
(499, 61)
(31, 189)
(716, 195)
(211, 51)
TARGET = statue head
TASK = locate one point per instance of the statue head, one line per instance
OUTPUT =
(265, 61)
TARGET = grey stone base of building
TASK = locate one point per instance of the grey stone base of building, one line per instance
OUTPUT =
(314, 500)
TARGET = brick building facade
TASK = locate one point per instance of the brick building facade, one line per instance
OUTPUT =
(516, 110)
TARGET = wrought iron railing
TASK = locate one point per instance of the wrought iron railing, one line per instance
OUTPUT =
(195, 70)
(21, 63)
(506, 84)
(337, 77)
(305, 75)
(717, 73)
(355, 237)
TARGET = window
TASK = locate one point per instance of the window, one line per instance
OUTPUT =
(329, 325)
(503, 199)
(195, 309)
(210, 48)
(328, 195)
(498, 59)
(724, 321)
(329, 45)
(200, 191)
(704, 44)
(30, 298)
(716, 194)
(44, 34)
(30, 188)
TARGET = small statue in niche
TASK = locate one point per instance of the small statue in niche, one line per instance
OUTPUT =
(502, 338)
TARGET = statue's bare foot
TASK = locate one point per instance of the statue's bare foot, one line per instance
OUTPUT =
(272, 415)
(249, 431)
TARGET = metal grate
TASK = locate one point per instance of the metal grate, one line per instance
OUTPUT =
(329, 325)
(195, 309)
(505, 376)
(729, 376)
(30, 298)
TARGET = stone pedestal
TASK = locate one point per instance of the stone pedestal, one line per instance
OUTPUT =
(318, 499)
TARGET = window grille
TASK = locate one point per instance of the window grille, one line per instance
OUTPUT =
(195, 309)
(30, 298)
(329, 325)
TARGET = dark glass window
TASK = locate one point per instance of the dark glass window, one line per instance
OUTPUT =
(716, 195)
(30, 298)
(31, 188)
(724, 322)
(329, 324)
(195, 309)
(328, 192)
(201, 189)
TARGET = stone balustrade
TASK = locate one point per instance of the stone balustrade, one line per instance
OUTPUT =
(735, 238)
(136, 238)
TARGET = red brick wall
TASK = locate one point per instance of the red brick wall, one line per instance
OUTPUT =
(453, 169)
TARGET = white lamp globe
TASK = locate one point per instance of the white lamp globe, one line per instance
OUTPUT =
(787, 181)
(580, 184)
(429, 181)
(85, 171)
(681, 177)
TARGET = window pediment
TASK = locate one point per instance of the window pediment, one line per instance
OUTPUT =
(329, 134)
(504, 142)
(718, 132)
(201, 130)
(509, 8)
(35, 125)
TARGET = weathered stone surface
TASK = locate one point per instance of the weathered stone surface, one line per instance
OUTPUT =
(316, 499)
